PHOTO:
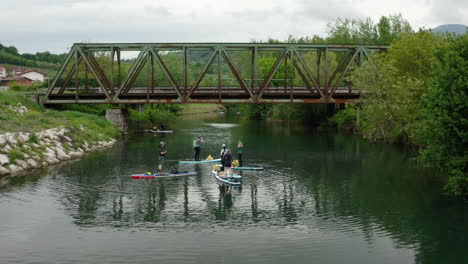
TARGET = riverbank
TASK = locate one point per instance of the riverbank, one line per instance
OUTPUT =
(32, 137)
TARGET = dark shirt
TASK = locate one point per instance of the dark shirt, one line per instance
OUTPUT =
(162, 150)
(227, 160)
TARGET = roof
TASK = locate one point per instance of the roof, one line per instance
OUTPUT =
(15, 78)
(2, 68)
(23, 72)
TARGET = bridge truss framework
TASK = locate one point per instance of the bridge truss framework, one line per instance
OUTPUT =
(302, 83)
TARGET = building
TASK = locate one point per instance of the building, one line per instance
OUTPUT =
(3, 72)
(20, 80)
(33, 75)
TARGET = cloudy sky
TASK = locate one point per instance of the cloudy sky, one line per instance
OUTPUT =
(54, 25)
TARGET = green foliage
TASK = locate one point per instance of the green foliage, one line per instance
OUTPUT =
(37, 119)
(33, 138)
(446, 131)
(351, 31)
(19, 88)
(394, 83)
(255, 111)
(346, 118)
(14, 155)
(457, 185)
(46, 60)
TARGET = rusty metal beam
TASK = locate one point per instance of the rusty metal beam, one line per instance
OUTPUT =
(202, 74)
(270, 75)
(167, 73)
(236, 73)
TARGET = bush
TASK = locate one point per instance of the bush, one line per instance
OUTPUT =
(345, 118)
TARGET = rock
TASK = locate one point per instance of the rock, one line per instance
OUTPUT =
(44, 164)
(32, 163)
(15, 169)
(10, 138)
(7, 148)
(23, 137)
(35, 145)
(26, 156)
(76, 154)
(3, 170)
(49, 153)
(3, 140)
(23, 164)
(67, 139)
(51, 160)
(4, 159)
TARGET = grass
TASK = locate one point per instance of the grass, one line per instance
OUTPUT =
(38, 118)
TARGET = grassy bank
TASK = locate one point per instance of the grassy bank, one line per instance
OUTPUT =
(20, 114)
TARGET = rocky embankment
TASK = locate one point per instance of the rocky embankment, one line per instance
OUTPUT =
(22, 152)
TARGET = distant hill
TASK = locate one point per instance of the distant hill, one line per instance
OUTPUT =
(451, 28)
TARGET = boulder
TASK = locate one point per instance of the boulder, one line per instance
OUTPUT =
(3, 140)
(76, 154)
(23, 137)
(32, 163)
(4, 159)
(3, 170)
(23, 164)
(15, 169)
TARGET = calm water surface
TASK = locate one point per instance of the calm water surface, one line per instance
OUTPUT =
(323, 198)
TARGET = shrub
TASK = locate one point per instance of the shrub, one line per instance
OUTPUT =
(14, 155)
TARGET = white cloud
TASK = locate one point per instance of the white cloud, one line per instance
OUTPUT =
(54, 25)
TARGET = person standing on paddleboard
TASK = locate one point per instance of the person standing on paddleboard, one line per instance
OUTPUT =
(240, 146)
(197, 147)
(162, 155)
(222, 154)
(228, 164)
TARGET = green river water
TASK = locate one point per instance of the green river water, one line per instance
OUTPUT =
(324, 197)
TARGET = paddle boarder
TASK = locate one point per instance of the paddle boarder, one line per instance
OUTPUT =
(162, 155)
(240, 147)
(228, 163)
(222, 154)
(197, 147)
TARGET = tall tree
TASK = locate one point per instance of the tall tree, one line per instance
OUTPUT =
(446, 105)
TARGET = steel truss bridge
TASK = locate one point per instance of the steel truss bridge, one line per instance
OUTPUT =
(157, 73)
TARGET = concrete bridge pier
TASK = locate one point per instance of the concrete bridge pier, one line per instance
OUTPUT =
(118, 117)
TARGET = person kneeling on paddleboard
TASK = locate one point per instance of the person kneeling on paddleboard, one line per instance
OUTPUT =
(162, 155)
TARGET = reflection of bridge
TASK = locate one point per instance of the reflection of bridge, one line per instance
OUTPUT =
(221, 73)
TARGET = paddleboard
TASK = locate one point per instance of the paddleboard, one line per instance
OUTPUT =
(163, 175)
(247, 168)
(161, 131)
(234, 180)
(201, 161)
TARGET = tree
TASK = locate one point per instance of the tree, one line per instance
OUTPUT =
(446, 104)
(393, 84)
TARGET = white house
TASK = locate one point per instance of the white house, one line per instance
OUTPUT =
(33, 75)
(3, 73)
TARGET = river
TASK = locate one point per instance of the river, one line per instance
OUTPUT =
(324, 197)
